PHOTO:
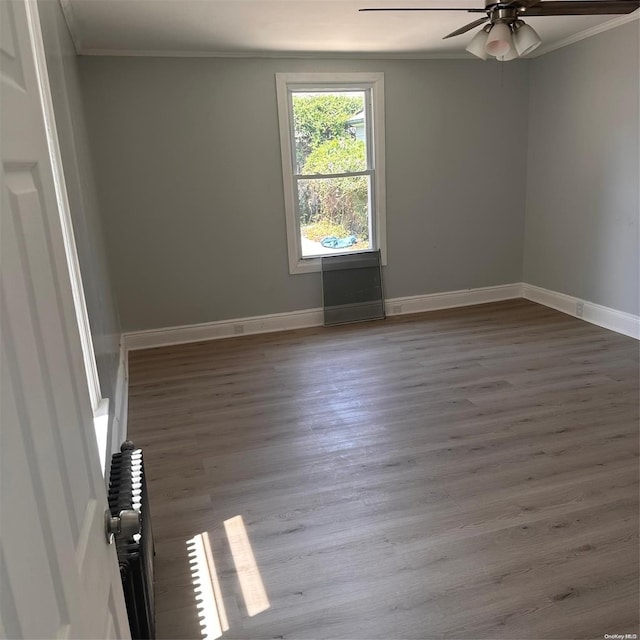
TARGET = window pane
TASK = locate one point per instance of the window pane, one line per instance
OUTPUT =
(329, 131)
(334, 215)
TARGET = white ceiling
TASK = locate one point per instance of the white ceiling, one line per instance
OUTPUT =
(287, 27)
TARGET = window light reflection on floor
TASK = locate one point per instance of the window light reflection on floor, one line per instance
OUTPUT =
(255, 597)
(213, 617)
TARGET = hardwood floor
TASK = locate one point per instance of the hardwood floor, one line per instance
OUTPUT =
(470, 473)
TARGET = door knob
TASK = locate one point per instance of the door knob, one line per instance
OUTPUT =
(126, 524)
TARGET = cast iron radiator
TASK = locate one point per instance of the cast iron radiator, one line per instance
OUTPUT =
(352, 287)
(128, 490)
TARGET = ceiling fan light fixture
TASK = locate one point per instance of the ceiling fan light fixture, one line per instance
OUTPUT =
(478, 45)
(499, 42)
(525, 38)
(512, 55)
(507, 37)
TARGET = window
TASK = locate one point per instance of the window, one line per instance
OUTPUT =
(332, 143)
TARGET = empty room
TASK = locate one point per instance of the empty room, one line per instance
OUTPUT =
(320, 319)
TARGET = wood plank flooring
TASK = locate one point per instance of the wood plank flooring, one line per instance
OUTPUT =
(470, 473)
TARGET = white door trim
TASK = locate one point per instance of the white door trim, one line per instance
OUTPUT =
(53, 144)
(53, 500)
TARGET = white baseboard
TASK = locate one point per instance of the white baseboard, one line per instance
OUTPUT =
(618, 321)
(222, 329)
(452, 299)
(309, 318)
(612, 319)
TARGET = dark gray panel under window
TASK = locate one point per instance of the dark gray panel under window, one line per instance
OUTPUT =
(352, 288)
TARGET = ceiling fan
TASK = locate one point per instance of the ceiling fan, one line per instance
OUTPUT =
(505, 35)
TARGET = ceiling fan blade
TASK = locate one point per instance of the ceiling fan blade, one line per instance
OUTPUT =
(580, 8)
(468, 10)
(525, 4)
(467, 27)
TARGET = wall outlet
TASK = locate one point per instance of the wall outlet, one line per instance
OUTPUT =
(579, 309)
(396, 309)
(238, 329)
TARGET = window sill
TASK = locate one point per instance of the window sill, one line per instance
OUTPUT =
(314, 265)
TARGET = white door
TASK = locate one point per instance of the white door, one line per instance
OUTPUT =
(58, 576)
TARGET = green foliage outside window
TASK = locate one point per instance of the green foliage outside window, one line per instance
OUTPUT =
(321, 117)
(326, 144)
(339, 155)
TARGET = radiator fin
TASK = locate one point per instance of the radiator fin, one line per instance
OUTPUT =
(127, 490)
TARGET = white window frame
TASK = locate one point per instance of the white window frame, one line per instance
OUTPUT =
(286, 83)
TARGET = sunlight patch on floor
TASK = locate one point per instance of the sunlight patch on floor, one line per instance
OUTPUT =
(255, 597)
(213, 617)
(206, 586)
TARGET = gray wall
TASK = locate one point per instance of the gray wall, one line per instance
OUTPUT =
(64, 80)
(189, 177)
(582, 203)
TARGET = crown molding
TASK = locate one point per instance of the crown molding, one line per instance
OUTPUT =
(312, 55)
(587, 33)
(74, 30)
(72, 24)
